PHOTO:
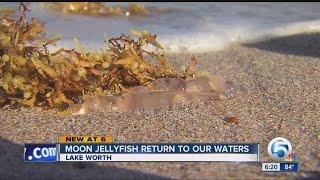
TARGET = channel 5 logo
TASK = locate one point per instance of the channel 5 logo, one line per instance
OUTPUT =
(40, 153)
(280, 149)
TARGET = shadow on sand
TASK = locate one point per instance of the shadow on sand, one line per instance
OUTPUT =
(301, 44)
(13, 167)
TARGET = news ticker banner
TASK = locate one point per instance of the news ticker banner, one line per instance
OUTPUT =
(158, 152)
(91, 148)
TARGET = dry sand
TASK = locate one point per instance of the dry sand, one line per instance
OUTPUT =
(282, 77)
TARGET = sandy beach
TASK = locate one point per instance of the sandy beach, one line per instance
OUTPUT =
(282, 79)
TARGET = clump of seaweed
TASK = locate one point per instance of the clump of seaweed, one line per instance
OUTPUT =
(97, 9)
(31, 75)
(137, 9)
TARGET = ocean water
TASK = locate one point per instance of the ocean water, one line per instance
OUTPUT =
(188, 26)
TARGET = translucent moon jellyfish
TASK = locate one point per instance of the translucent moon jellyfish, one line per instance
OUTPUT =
(163, 92)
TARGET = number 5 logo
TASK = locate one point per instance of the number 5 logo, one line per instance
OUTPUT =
(279, 148)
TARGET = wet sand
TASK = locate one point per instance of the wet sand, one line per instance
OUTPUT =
(283, 99)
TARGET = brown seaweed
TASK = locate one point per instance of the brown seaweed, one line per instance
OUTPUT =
(231, 120)
(97, 9)
(31, 75)
(124, 77)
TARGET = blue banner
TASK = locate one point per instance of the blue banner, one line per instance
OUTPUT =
(160, 148)
(40, 153)
(289, 167)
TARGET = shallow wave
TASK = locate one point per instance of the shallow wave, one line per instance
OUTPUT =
(193, 27)
(212, 41)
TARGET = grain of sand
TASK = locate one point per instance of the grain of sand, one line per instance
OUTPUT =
(282, 79)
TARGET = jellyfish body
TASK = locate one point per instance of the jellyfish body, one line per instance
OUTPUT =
(164, 92)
